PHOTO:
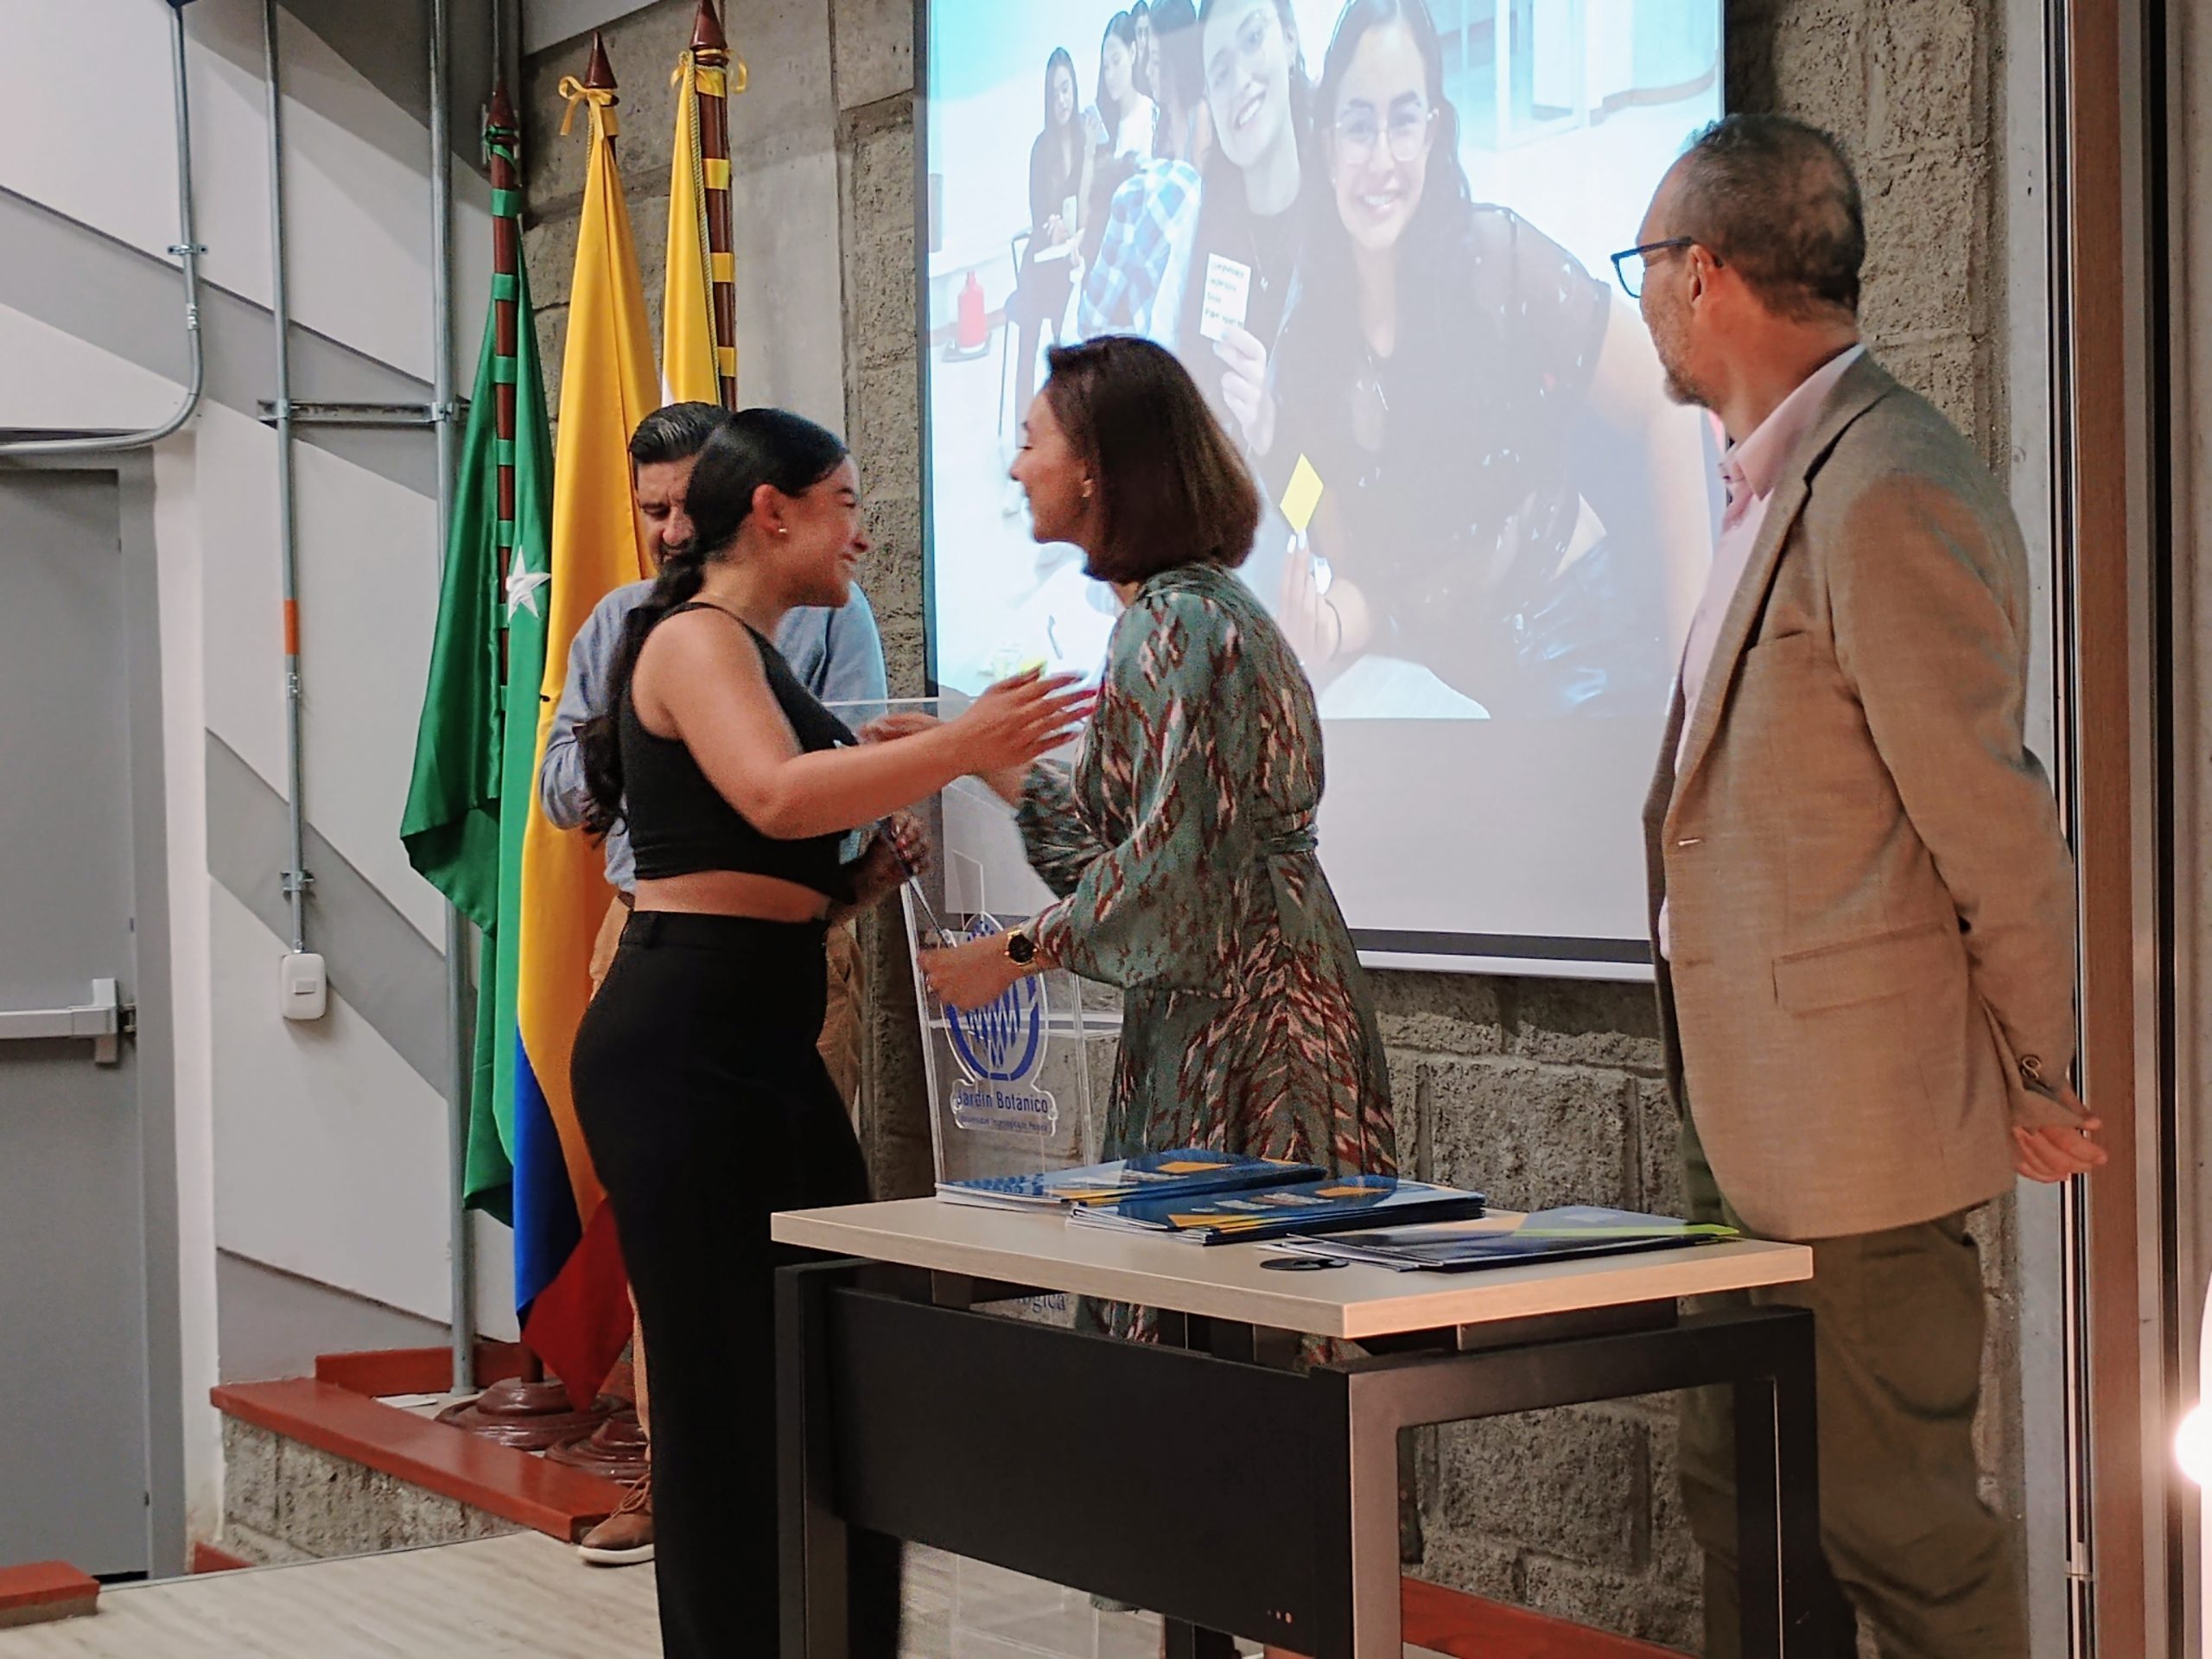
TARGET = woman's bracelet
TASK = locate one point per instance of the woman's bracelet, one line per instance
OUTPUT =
(1337, 644)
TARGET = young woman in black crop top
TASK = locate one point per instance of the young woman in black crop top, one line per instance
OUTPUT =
(696, 1080)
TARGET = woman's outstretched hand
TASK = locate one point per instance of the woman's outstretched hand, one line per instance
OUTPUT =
(1019, 720)
(1007, 785)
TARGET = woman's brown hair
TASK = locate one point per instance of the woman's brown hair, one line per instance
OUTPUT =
(1173, 490)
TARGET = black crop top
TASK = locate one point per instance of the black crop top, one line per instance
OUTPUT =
(680, 824)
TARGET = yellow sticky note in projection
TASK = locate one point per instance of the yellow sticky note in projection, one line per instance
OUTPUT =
(1302, 496)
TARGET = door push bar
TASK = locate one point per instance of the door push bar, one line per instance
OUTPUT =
(105, 1021)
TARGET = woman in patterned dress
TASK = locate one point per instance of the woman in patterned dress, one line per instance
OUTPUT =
(1182, 845)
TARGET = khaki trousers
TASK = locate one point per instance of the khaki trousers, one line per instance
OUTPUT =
(840, 1047)
(1898, 1317)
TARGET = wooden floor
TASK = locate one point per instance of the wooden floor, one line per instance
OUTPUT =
(523, 1595)
(528, 1597)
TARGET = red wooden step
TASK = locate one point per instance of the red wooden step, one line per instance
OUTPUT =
(1467, 1627)
(530, 1491)
(40, 1591)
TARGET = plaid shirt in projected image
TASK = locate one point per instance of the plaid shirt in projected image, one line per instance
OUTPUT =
(1138, 274)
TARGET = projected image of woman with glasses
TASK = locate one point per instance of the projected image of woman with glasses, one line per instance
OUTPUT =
(1388, 280)
(1495, 458)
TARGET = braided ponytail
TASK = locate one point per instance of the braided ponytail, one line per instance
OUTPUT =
(682, 571)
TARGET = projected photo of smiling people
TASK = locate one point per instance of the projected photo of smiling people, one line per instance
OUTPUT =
(1496, 463)
(1059, 184)
(1125, 113)
(1246, 251)
(1419, 584)
(1135, 285)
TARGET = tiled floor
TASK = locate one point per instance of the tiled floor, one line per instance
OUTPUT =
(528, 1596)
(524, 1597)
(964, 1610)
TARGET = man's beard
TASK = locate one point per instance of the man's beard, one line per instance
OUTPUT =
(1681, 387)
(1682, 391)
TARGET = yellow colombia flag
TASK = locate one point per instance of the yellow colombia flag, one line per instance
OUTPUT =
(695, 360)
(607, 385)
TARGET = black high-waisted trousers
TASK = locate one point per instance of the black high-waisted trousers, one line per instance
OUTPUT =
(707, 1108)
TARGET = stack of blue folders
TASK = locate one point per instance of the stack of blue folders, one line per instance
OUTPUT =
(1331, 1203)
(1185, 1174)
(1545, 1236)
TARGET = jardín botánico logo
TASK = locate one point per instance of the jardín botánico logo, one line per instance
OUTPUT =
(1004, 1041)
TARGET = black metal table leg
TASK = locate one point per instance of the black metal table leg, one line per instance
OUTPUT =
(1226, 1340)
(815, 1553)
(1758, 1529)
(1791, 1606)
(1187, 1642)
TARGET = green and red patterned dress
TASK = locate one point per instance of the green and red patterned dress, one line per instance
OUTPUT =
(1182, 847)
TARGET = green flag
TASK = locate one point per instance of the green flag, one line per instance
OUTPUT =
(475, 768)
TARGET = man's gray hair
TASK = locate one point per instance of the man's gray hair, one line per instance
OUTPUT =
(1775, 199)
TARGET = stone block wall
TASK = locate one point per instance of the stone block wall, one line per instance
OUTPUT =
(284, 1501)
(1537, 1091)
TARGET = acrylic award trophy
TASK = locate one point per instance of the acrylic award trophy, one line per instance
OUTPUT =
(1019, 1086)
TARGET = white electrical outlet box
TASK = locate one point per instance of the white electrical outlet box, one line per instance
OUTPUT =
(302, 993)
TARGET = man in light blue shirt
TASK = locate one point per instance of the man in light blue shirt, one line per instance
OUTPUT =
(837, 655)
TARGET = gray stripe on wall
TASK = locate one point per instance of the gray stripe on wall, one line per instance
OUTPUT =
(385, 44)
(122, 299)
(384, 968)
(272, 1323)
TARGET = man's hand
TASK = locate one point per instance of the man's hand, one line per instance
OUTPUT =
(891, 858)
(2055, 1155)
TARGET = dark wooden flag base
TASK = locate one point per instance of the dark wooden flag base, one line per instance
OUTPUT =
(616, 1450)
(528, 1415)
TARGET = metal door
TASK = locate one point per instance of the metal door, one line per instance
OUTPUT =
(73, 1421)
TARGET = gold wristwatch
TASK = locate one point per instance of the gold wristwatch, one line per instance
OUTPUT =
(1020, 949)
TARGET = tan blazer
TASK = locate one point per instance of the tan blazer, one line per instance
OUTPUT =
(1870, 901)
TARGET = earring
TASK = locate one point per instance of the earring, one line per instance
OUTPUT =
(783, 530)
(1086, 489)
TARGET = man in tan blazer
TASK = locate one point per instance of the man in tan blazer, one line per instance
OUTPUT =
(1862, 904)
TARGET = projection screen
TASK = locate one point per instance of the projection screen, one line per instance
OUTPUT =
(1378, 233)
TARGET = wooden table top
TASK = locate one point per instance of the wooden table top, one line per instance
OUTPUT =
(1227, 1281)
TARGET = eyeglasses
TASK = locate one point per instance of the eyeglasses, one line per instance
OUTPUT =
(1631, 265)
(1357, 131)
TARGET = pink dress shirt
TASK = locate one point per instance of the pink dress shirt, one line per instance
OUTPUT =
(1750, 471)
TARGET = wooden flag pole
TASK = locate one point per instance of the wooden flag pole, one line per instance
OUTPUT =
(710, 52)
(527, 1411)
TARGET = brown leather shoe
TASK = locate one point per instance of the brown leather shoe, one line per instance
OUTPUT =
(625, 1537)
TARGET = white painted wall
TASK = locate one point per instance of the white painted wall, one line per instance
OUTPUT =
(361, 215)
(176, 541)
(330, 1152)
(55, 379)
(316, 1149)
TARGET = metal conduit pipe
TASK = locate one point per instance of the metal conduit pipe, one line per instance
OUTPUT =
(188, 251)
(2076, 1329)
(296, 879)
(459, 1026)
